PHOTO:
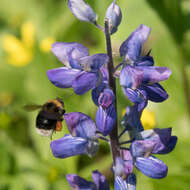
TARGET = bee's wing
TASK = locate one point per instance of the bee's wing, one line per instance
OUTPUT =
(32, 107)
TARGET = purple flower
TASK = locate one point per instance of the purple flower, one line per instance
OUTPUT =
(80, 125)
(81, 71)
(106, 114)
(132, 46)
(82, 139)
(103, 85)
(79, 183)
(131, 120)
(104, 98)
(82, 11)
(114, 15)
(69, 146)
(157, 141)
(161, 139)
(128, 184)
(128, 161)
(138, 76)
(152, 167)
(131, 182)
(123, 165)
(118, 168)
(120, 184)
(100, 182)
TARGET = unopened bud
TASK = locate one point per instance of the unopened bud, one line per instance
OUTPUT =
(114, 16)
(82, 11)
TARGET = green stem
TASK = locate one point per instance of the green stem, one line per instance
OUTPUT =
(112, 83)
(185, 83)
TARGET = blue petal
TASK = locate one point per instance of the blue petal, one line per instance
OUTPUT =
(144, 61)
(105, 119)
(65, 51)
(138, 96)
(97, 91)
(68, 146)
(94, 62)
(104, 72)
(80, 125)
(163, 134)
(170, 146)
(153, 74)
(82, 11)
(152, 167)
(128, 161)
(131, 77)
(120, 184)
(131, 48)
(155, 92)
(84, 82)
(100, 181)
(114, 15)
(134, 76)
(119, 167)
(165, 143)
(131, 182)
(139, 148)
(132, 118)
(146, 134)
(79, 183)
(62, 77)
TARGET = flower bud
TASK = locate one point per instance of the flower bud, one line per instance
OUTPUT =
(106, 119)
(106, 98)
(114, 15)
(82, 11)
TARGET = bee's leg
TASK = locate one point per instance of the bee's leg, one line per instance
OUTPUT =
(54, 131)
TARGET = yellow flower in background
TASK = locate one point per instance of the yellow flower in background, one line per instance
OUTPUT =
(123, 112)
(45, 44)
(148, 119)
(53, 174)
(20, 52)
(27, 33)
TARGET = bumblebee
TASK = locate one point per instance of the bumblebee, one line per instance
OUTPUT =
(50, 117)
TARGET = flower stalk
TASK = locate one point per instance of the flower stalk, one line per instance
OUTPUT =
(114, 143)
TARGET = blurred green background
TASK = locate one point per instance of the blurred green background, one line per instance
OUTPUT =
(27, 29)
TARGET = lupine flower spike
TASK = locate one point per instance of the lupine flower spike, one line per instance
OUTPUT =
(139, 79)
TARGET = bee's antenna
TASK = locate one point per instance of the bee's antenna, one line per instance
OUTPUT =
(70, 95)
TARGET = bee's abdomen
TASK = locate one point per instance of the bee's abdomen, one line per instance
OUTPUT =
(43, 122)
